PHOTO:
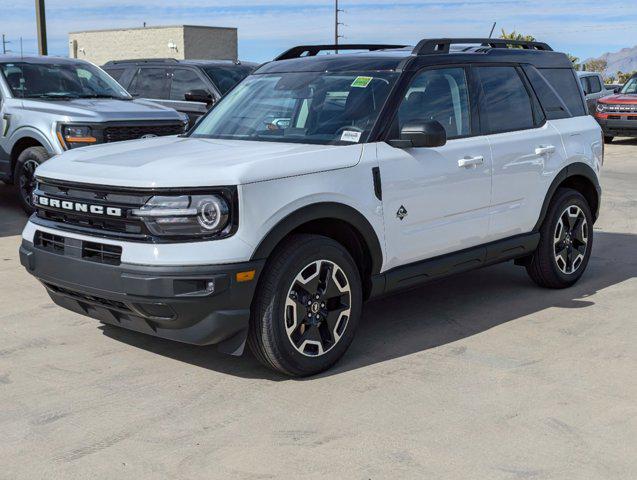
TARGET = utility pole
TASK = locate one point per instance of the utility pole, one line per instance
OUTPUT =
(336, 25)
(5, 42)
(40, 18)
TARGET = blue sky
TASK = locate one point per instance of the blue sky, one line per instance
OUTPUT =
(266, 27)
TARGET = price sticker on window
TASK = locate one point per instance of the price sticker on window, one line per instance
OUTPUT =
(362, 82)
(351, 136)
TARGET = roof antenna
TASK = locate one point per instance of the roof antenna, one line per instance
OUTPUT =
(492, 29)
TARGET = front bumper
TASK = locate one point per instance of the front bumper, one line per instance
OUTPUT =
(626, 126)
(168, 302)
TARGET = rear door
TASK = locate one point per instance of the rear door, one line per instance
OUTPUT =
(436, 200)
(525, 148)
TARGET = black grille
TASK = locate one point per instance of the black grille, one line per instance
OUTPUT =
(91, 299)
(132, 132)
(49, 242)
(125, 227)
(102, 253)
(91, 251)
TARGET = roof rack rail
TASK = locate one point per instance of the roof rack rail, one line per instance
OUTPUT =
(143, 60)
(313, 50)
(442, 45)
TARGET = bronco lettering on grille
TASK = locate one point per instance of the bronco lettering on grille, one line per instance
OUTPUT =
(78, 206)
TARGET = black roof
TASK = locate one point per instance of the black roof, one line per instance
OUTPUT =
(426, 52)
(171, 61)
(41, 59)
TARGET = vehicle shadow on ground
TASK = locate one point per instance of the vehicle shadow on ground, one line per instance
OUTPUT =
(432, 315)
(12, 217)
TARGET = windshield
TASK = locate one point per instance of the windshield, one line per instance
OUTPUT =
(227, 76)
(630, 87)
(301, 107)
(60, 80)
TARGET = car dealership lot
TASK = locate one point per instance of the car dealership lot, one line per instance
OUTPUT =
(483, 375)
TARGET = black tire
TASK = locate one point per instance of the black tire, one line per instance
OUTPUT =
(563, 252)
(273, 315)
(608, 139)
(24, 177)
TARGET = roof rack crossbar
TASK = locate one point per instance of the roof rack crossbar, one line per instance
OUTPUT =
(442, 45)
(143, 60)
(313, 50)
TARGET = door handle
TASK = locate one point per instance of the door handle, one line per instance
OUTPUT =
(544, 149)
(467, 162)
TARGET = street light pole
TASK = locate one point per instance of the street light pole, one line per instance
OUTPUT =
(336, 25)
(40, 18)
(4, 44)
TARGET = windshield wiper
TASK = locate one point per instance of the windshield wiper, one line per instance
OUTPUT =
(51, 95)
(101, 95)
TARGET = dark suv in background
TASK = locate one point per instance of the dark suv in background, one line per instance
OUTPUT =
(188, 86)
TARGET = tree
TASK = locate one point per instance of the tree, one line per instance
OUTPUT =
(574, 60)
(596, 65)
(623, 77)
(513, 35)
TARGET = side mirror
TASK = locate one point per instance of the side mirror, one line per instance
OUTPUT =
(617, 89)
(421, 134)
(199, 96)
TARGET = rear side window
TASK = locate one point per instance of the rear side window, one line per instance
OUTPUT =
(565, 84)
(150, 83)
(552, 104)
(506, 104)
(226, 77)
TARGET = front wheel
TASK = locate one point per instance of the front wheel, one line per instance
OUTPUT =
(566, 240)
(24, 178)
(307, 306)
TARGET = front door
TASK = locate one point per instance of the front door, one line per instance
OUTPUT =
(436, 200)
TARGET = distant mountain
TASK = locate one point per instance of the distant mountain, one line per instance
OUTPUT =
(623, 61)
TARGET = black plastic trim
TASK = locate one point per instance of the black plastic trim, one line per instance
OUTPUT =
(414, 274)
(378, 184)
(318, 211)
(572, 170)
(313, 50)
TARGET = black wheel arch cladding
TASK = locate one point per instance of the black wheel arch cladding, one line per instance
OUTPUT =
(578, 176)
(326, 213)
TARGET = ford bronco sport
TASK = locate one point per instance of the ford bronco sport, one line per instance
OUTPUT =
(321, 181)
(49, 105)
(617, 114)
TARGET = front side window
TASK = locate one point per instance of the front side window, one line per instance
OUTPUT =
(630, 88)
(438, 95)
(150, 83)
(63, 80)
(300, 107)
(185, 80)
(506, 105)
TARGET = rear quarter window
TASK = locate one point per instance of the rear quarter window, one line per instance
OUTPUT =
(565, 83)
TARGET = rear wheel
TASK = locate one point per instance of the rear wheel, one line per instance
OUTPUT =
(307, 306)
(24, 177)
(566, 239)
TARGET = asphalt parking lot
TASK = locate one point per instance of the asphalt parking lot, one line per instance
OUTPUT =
(481, 376)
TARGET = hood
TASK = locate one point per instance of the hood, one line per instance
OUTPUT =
(172, 162)
(619, 98)
(97, 110)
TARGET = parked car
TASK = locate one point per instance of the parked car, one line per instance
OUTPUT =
(594, 89)
(189, 86)
(617, 114)
(49, 105)
(393, 167)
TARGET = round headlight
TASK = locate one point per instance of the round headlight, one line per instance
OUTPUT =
(210, 212)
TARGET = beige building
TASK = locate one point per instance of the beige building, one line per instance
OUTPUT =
(179, 41)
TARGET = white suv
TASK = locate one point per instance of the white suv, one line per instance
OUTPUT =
(321, 181)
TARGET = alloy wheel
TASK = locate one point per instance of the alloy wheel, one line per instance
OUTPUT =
(317, 308)
(570, 240)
